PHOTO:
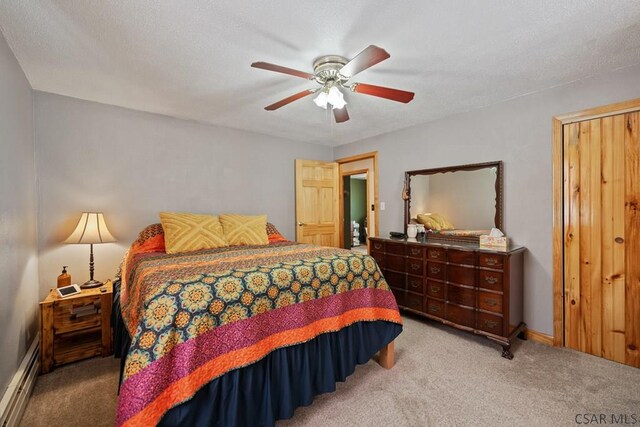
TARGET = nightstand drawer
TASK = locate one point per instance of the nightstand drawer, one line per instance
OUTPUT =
(75, 315)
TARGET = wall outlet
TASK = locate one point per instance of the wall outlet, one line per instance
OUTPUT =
(382, 206)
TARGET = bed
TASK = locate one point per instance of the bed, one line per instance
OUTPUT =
(243, 335)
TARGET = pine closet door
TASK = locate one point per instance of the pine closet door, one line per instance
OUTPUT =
(602, 237)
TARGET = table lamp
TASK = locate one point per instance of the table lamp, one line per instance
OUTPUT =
(91, 229)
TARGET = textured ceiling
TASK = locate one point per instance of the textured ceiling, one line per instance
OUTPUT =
(192, 59)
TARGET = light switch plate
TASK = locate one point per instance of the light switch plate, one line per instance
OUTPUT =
(382, 206)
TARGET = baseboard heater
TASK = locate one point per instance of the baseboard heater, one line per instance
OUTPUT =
(15, 399)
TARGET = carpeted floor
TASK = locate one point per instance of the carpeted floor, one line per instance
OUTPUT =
(441, 377)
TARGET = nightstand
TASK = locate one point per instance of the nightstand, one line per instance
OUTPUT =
(76, 327)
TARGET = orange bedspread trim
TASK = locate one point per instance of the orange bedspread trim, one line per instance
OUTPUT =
(186, 387)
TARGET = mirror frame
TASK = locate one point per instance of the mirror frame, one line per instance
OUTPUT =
(499, 217)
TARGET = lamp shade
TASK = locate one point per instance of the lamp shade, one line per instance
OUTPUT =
(91, 229)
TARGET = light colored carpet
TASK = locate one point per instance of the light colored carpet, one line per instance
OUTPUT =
(441, 377)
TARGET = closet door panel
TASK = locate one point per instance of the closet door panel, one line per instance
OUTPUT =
(632, 238)
(602, 237)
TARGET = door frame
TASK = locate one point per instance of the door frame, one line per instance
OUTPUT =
(373, 231)
(558, 201)
(366, 193)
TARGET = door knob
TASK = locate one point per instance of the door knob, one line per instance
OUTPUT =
(619, 240)
(301, 224)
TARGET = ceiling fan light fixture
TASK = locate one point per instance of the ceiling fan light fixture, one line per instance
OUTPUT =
(331, 96)
(336, 98)
(321, 99)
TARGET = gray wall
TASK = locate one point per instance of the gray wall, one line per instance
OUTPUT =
(518, 132)
(132, 165)
(18, 249)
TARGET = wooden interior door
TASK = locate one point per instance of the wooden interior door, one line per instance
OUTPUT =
(601, 179)
(317, 203)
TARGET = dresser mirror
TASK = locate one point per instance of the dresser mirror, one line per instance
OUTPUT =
(455, 203)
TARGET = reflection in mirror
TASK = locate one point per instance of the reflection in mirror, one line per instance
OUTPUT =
(466, 199)
(457, 202)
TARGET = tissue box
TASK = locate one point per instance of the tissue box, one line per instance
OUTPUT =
(489, 242)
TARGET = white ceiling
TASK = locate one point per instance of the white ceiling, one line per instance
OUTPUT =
(191, 59)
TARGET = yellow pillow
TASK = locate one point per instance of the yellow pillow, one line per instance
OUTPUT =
(429, 222)
(444, 222)
(185, 232)
(245, 229)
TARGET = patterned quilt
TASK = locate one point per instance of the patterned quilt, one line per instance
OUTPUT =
(196, 316)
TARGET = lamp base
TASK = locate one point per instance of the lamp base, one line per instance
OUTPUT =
(91, 284)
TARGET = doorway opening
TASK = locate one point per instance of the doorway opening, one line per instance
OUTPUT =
(358, 178)
(355, 202)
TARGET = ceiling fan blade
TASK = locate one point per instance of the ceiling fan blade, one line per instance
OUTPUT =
(289, 100)
(283, 70)
(341, 114)
(365, 59)
(383, 92)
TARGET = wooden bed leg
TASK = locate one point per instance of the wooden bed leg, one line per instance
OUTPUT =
(387, 359)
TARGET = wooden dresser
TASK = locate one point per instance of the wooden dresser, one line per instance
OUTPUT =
(460, 285)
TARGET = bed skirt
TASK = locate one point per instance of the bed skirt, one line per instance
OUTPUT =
(272, 388)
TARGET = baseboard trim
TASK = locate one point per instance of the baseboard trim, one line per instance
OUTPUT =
(539, 337)
(15, 398)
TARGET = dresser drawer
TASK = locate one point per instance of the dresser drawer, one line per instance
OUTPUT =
(394, 248)
(435, 289)
(396, 280)
(377, 246)
(461, 275)
(76, 315)
(460, 315)
(490, 323)
(415, 252)
(435, 308)
(435, 254)
(490, 280)
(460, 295)
(415, 266)
(435, 270)
(379, 257)
(415, 284)
(394, 262)
(490, 302)
(414, 302)
(461, 257)
(491, 260)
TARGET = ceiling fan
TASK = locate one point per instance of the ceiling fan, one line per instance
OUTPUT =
(333, 72)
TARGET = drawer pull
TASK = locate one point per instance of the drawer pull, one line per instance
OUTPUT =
(415, 284)
(415, 267)
(415, 251)
(435, 289)
(377, 245)
(435, 255)
(491, 280)
(435, 270)
(491, 261)
(434, 308)
(491, 302)
(490, 323)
